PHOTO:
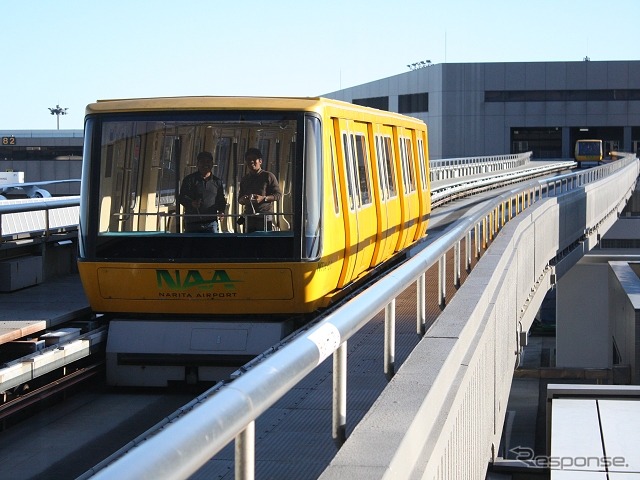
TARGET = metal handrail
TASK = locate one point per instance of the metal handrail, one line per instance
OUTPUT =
(45, 205)
(447, 168)
(229, 411)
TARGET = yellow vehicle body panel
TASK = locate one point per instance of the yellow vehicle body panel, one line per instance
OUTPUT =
(197, 290)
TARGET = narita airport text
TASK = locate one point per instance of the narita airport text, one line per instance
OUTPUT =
(211, 295)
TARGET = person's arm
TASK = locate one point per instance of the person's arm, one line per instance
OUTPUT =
(274, 193)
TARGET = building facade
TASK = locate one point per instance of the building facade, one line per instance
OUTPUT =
(474, 109)
(44, 155)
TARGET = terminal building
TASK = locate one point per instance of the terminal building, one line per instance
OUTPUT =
(44, 155)
(474, 109)
(471, 109)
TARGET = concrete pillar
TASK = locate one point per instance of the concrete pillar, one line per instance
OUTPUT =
(567, 148)
(583, 336)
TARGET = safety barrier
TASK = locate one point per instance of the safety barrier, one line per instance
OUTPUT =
(38, 216)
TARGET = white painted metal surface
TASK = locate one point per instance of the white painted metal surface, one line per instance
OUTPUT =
(576, 435)
(38, 215)
(595, 435)
(620, 427)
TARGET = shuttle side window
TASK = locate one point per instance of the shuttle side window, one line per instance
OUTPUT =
(334, 175)
(348, 168)
(362, 159)
(382, 168)
(407, 165)
(422, 164)
(312, 202)
(412, 171)
(390, 161)
(403, 166)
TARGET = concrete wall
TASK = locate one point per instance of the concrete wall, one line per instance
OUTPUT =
(624, 312)
(583, 333)
(598, 305)
(462, 124)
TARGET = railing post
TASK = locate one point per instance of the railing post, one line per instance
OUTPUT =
(47, 223)
(421, 305)
(456, 264)
(490, 219)
(485, 233)
(246, 453)
(467, 247)
(442, 281)
(390, 339)
(339, 429)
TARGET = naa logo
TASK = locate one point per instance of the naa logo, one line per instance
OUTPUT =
(193, 279)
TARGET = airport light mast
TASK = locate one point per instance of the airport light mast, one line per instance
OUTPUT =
(57, 112)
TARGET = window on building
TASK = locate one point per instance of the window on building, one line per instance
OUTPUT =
(560, 95)
(413, 102)
(543, 142)
(381, 103)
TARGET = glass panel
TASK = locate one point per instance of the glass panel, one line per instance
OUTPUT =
(312, 204)
(406, 180)
(391, 171)
(362, 160)
(348, 168)
(422, 164)
(413, 102)
(168, 176)
(411, 165)
(334, 184)
(150, 179)
(382, 169)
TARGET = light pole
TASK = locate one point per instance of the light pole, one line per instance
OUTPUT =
(57, 112)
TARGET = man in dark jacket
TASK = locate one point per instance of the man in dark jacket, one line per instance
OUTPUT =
(202, 196)
(258, 190)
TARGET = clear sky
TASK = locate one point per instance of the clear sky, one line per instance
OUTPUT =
(73, 52)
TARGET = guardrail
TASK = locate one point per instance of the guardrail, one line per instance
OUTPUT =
(465, 179)
(38, 216)
(461, 167)
(229, 411)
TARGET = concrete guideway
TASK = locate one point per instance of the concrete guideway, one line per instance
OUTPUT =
(453, 389)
